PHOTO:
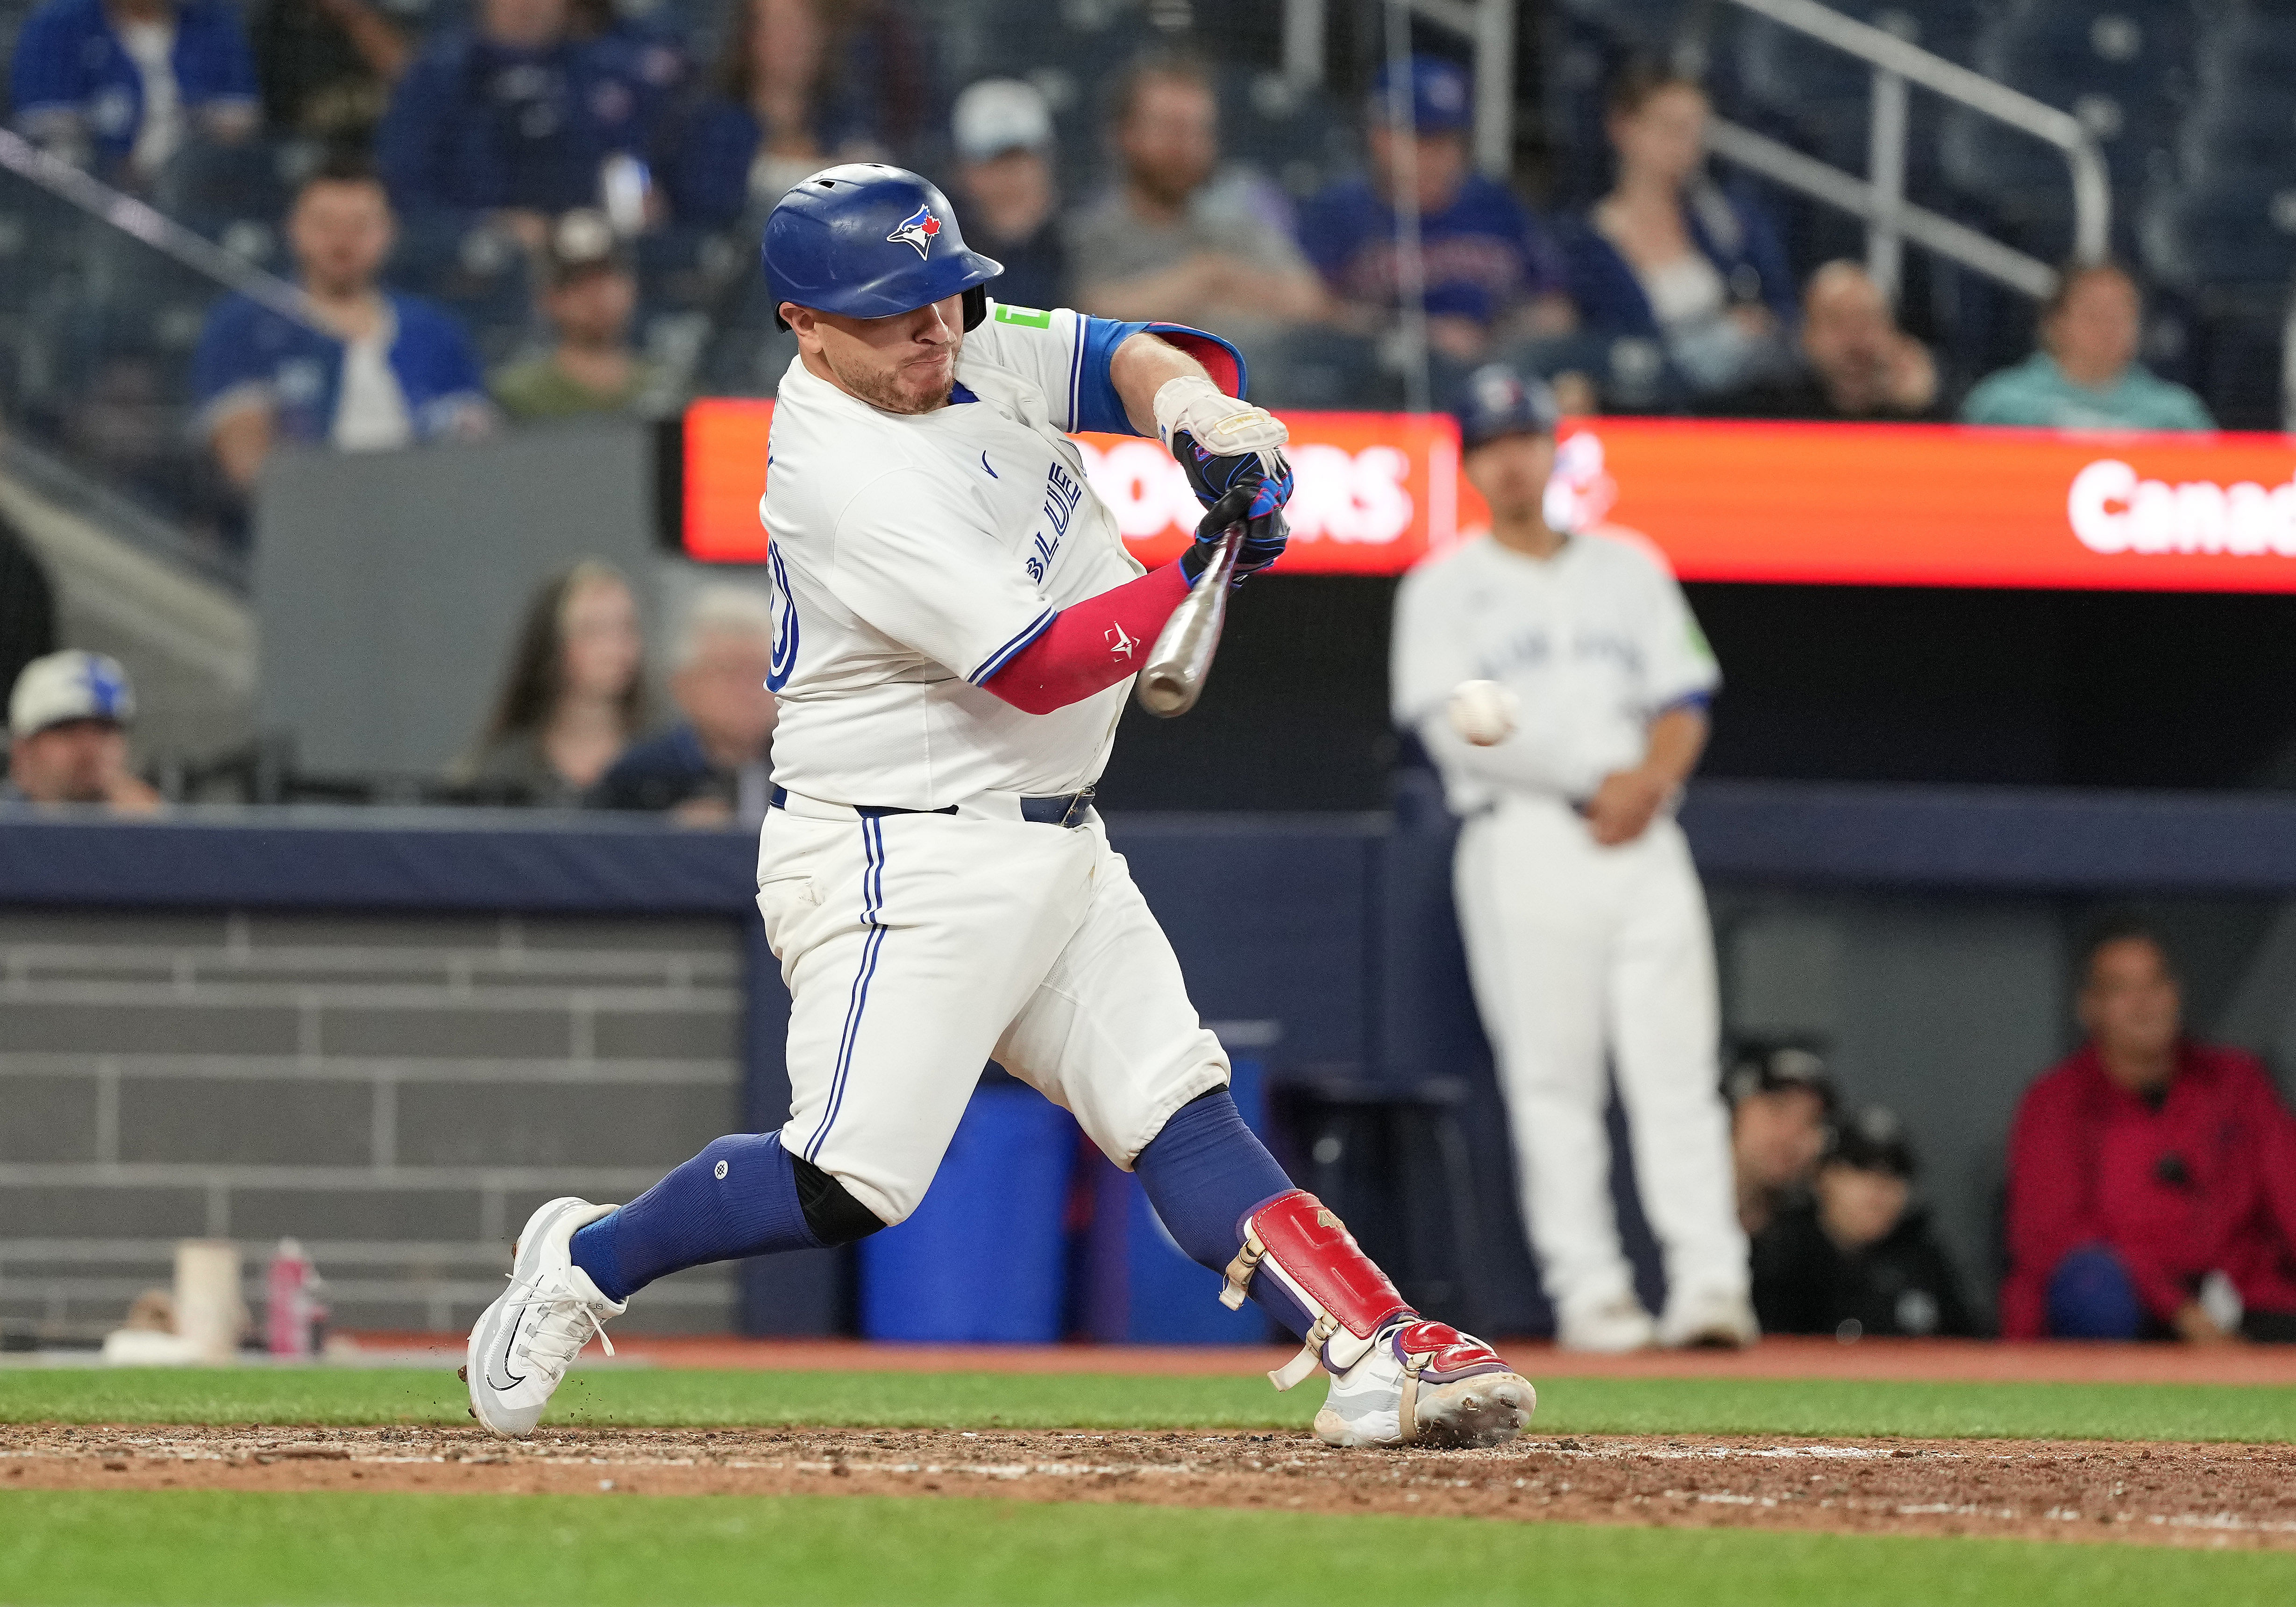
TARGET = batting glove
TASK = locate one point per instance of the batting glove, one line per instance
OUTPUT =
(1264, 534)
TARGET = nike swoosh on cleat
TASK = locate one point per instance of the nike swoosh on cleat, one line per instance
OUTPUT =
(984, 463)
(516, 1378)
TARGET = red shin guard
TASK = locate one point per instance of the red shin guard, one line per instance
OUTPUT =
(1295, 1240)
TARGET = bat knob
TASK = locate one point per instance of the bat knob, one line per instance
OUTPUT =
(1164, 694)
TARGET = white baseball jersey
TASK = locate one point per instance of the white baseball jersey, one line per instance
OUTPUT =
(1594, 642)
(913, 555)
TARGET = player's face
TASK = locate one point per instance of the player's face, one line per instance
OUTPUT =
(2132, 1006)
(903, 364)
(340, 233)
(74, 762)
(1512, 473)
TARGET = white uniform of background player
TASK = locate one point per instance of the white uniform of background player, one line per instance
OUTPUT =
(1586, 932)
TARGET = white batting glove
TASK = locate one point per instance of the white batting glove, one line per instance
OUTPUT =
(1221, 425)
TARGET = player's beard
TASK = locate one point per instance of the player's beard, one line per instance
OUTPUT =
(884, 390)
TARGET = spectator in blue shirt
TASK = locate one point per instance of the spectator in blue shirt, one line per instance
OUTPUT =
(515, 117)
(1668, 256)
(123, 85)
(1490, 271)
(796, 85)
(389, 370)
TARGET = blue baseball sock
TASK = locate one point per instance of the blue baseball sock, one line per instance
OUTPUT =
(1205, 1173)
(737, 1198)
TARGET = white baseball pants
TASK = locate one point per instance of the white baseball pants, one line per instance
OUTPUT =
(918, 948)
(1580, 955)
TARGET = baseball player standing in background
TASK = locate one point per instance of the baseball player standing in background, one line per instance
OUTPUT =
(958, 621)
(1561, 684)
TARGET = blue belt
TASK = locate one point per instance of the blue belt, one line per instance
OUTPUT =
(1062, 809)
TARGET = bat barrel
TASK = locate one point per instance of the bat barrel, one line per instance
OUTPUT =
(1182, 660)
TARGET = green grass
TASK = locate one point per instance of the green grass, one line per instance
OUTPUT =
(973, 1400)
(210, 1546)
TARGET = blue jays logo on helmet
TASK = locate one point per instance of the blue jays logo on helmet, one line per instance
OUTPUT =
(917, 229)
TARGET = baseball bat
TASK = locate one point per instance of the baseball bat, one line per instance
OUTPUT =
(1182, 660)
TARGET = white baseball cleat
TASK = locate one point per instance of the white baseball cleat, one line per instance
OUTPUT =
(1426, 1383)
(1611, 1327)
(525, 1341)
(1713, 1319)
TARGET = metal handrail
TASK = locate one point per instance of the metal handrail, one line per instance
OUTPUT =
(156, 229)
(1892, 57)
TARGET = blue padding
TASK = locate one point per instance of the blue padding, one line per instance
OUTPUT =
(1092, 402)
(328, 858)
(2092, 1297)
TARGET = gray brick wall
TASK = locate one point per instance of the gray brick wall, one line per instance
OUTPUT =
(397, 1092)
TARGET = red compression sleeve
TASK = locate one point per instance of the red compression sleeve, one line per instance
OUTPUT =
(1092, 645)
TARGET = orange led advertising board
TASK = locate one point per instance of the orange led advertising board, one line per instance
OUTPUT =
(1902, 504)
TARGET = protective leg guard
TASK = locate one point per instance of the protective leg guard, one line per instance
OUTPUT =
(1397, 1378)
(1293, 1239)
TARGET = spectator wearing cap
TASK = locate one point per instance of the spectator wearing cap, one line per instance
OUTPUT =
(797, 85)
(1177, 238)
(1489, 270)
(2085, 375)
(383, 371)
(1853, 363)
(1003, 133)
(68, 717)
(1668, 256)
(1586, 934)
(1856, 1258)
(715, 766)
(1781, 1108)
(512, 119)
(589, 298)
(123, 85)
(2152, 1177)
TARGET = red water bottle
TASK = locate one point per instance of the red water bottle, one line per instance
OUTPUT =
(287, 1324)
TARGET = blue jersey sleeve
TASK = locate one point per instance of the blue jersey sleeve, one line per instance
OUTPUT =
(1096, 404)
(231, 365)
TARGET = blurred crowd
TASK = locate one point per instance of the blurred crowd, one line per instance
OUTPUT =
(2152, 1186)
(597, 148)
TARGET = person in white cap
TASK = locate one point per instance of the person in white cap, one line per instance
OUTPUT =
(1003, 134)
(68, 734)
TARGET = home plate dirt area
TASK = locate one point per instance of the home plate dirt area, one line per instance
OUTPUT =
(2215, 1496)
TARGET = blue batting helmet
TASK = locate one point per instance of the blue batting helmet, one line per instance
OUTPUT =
(869, 240)
(1497, 400)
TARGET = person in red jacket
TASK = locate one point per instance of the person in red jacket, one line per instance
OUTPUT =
(2152, 1178)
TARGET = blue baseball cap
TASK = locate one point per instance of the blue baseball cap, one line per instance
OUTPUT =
(1442, 98)
(1497, 400)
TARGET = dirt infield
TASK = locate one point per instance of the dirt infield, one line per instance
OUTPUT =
(1930, 1360)
(2190, 1495)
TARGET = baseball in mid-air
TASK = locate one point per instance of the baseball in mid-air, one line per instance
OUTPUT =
(1483, 712)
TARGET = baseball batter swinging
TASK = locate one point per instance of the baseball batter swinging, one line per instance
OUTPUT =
(958, 621)
(1560, 682)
